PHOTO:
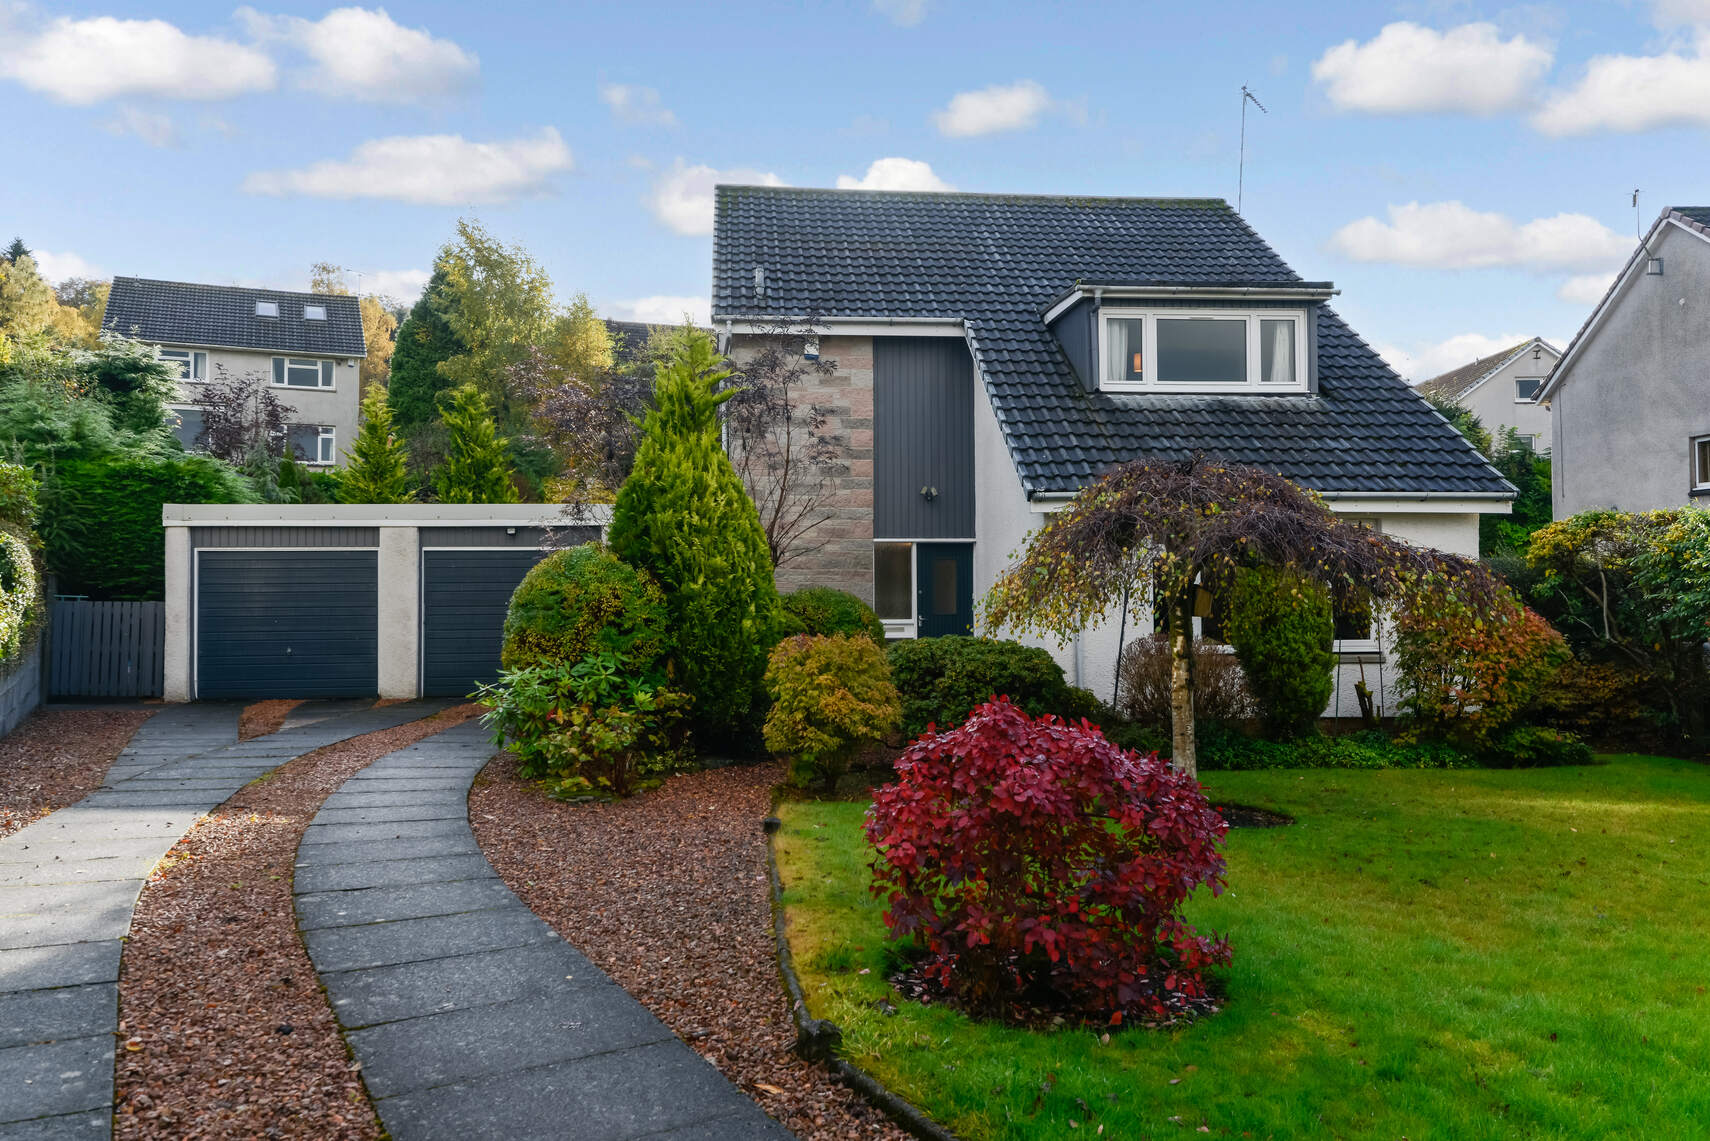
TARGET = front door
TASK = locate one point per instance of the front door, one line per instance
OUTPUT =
(944, 585)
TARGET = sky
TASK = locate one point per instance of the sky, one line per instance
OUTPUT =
(1463, 173)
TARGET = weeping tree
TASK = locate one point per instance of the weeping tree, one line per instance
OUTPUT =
(1172, 528)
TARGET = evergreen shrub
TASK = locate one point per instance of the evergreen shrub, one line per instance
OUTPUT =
(831, 694)
(941, 679)
(584, 601)
(1281, 625)
(825, 610)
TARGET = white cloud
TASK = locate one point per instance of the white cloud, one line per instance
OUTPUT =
(683, 196)
(1428, 359)
(1451, 235)
(87, 61)
(402, 285)
(441, 170)
(903, 13)
(1634, 93)
(663, 309)
(637, 106)
(1585, 288)
(363, 53)
(57, 267)
(151, 127)
(894, 174)
(989, 110)
(1675, 13)
(1409, 68)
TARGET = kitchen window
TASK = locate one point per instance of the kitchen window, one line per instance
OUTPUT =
(1210, 350)
(191, 365)
(291, 372)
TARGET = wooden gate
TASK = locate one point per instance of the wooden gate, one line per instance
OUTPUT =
(106, 649)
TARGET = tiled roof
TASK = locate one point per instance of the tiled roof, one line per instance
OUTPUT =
(997, 261)
(223, 316)
(1452, 385)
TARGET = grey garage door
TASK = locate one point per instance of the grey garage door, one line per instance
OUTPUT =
(465, 594)
(298, 623)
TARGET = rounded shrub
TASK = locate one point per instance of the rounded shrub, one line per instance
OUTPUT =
(20, 595)
(830, 694)
(1282, 626)
(941, 679)
(1535, 747)
(1032, 855)
(1220, 692)
(825, 610)
(584, 601)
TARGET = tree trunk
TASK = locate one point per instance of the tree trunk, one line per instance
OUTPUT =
(1181, 684)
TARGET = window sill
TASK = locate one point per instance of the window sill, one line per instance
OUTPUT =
(897, 629)
(1699, 492)
(1117, 388)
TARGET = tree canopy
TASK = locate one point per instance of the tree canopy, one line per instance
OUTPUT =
(476, 468)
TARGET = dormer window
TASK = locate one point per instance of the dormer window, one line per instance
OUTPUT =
(314, 312)
(267, 308)
(1202, 350)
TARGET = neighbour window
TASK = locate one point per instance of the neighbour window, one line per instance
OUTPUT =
(1526, 389)
(267, 308)
(326, 446)
(893, 581)
(191, 365)
(1214, 350)
(187, 426)
(313, 443)
(1701, 464)
(290, 372)
(314, 312)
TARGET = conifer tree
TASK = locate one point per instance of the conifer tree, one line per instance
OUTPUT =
(378, 471)
(424, 340)
(683, 516)
(477, 467)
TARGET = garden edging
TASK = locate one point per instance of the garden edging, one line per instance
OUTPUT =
(819, 1040)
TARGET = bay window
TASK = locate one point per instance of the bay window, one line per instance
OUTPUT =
(1203, 350)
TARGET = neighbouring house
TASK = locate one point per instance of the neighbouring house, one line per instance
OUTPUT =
(308, 346)
(1630, 397)
(995, 353)
(1502, 390)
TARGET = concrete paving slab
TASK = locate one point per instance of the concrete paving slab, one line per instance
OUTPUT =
(315, 854)
(412, 940)
(411, 990)
(60, 1012)
(480, 1041)
(391, 873)
(94, 1123)
(345, 799)
(56, 1077)
(384, 904)
(55, 927)
(384, 814)
(74, 964)
(348, 833)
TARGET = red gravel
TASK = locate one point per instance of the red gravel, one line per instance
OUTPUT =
(263, 717)
(224, 1029)
(57, 757)
(668, 893)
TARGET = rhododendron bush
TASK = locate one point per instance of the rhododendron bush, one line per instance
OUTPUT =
(1033, 857)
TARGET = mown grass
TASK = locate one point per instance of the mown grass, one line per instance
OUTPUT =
(1423, 954)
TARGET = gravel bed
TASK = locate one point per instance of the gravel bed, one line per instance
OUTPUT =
(263, 717)
(57, 757)
(224, 1029)
(668, 893)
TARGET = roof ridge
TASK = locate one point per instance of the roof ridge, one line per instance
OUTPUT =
(230, 288)
(988, 194)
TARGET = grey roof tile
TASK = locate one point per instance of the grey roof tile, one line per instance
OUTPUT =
(998, 261)
(223, 316)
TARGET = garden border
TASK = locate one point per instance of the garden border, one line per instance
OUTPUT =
(818, 1040)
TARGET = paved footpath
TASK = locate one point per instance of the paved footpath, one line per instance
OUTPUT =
(69, 882)
(470, 1016)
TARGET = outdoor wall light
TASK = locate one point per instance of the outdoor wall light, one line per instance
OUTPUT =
(929, 493)
(510, 530)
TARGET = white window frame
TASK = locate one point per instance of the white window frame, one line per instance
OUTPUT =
(194, 361)
(326, 379)
(1362, 647)
(314, 312)
(1149, 349)
(326, 445)
(1700, 472)
(176, 409)
(1533, 399)
(901, 628)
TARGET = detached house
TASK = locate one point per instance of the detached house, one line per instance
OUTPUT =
(995, 353)
(1630, 397)
(307, 346)
(1502, 390)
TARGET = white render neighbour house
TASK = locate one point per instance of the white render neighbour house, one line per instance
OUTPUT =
(1630, 398)
(1502, 390)
(308, 347)
(996, 353)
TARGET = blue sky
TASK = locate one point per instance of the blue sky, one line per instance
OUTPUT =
(1463, 173)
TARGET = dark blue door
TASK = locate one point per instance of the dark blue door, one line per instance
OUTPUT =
(944, 581)
(298, 623)
(465, 594)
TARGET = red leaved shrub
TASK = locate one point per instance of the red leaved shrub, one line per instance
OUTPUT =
(1035, 858)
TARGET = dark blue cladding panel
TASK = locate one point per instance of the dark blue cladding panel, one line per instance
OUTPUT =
(923, 437)
(287, 624)
(465, 594)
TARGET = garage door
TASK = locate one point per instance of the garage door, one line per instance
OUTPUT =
(300, 623)
(465, 594)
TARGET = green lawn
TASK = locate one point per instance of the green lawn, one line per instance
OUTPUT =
(1423, 954)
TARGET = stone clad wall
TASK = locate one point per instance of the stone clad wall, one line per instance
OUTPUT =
(845, 561)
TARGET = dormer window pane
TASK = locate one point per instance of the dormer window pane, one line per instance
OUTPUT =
(314, 312)
(1126, 355)
(267, 308)
(1202, 350)
(1276, 352)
